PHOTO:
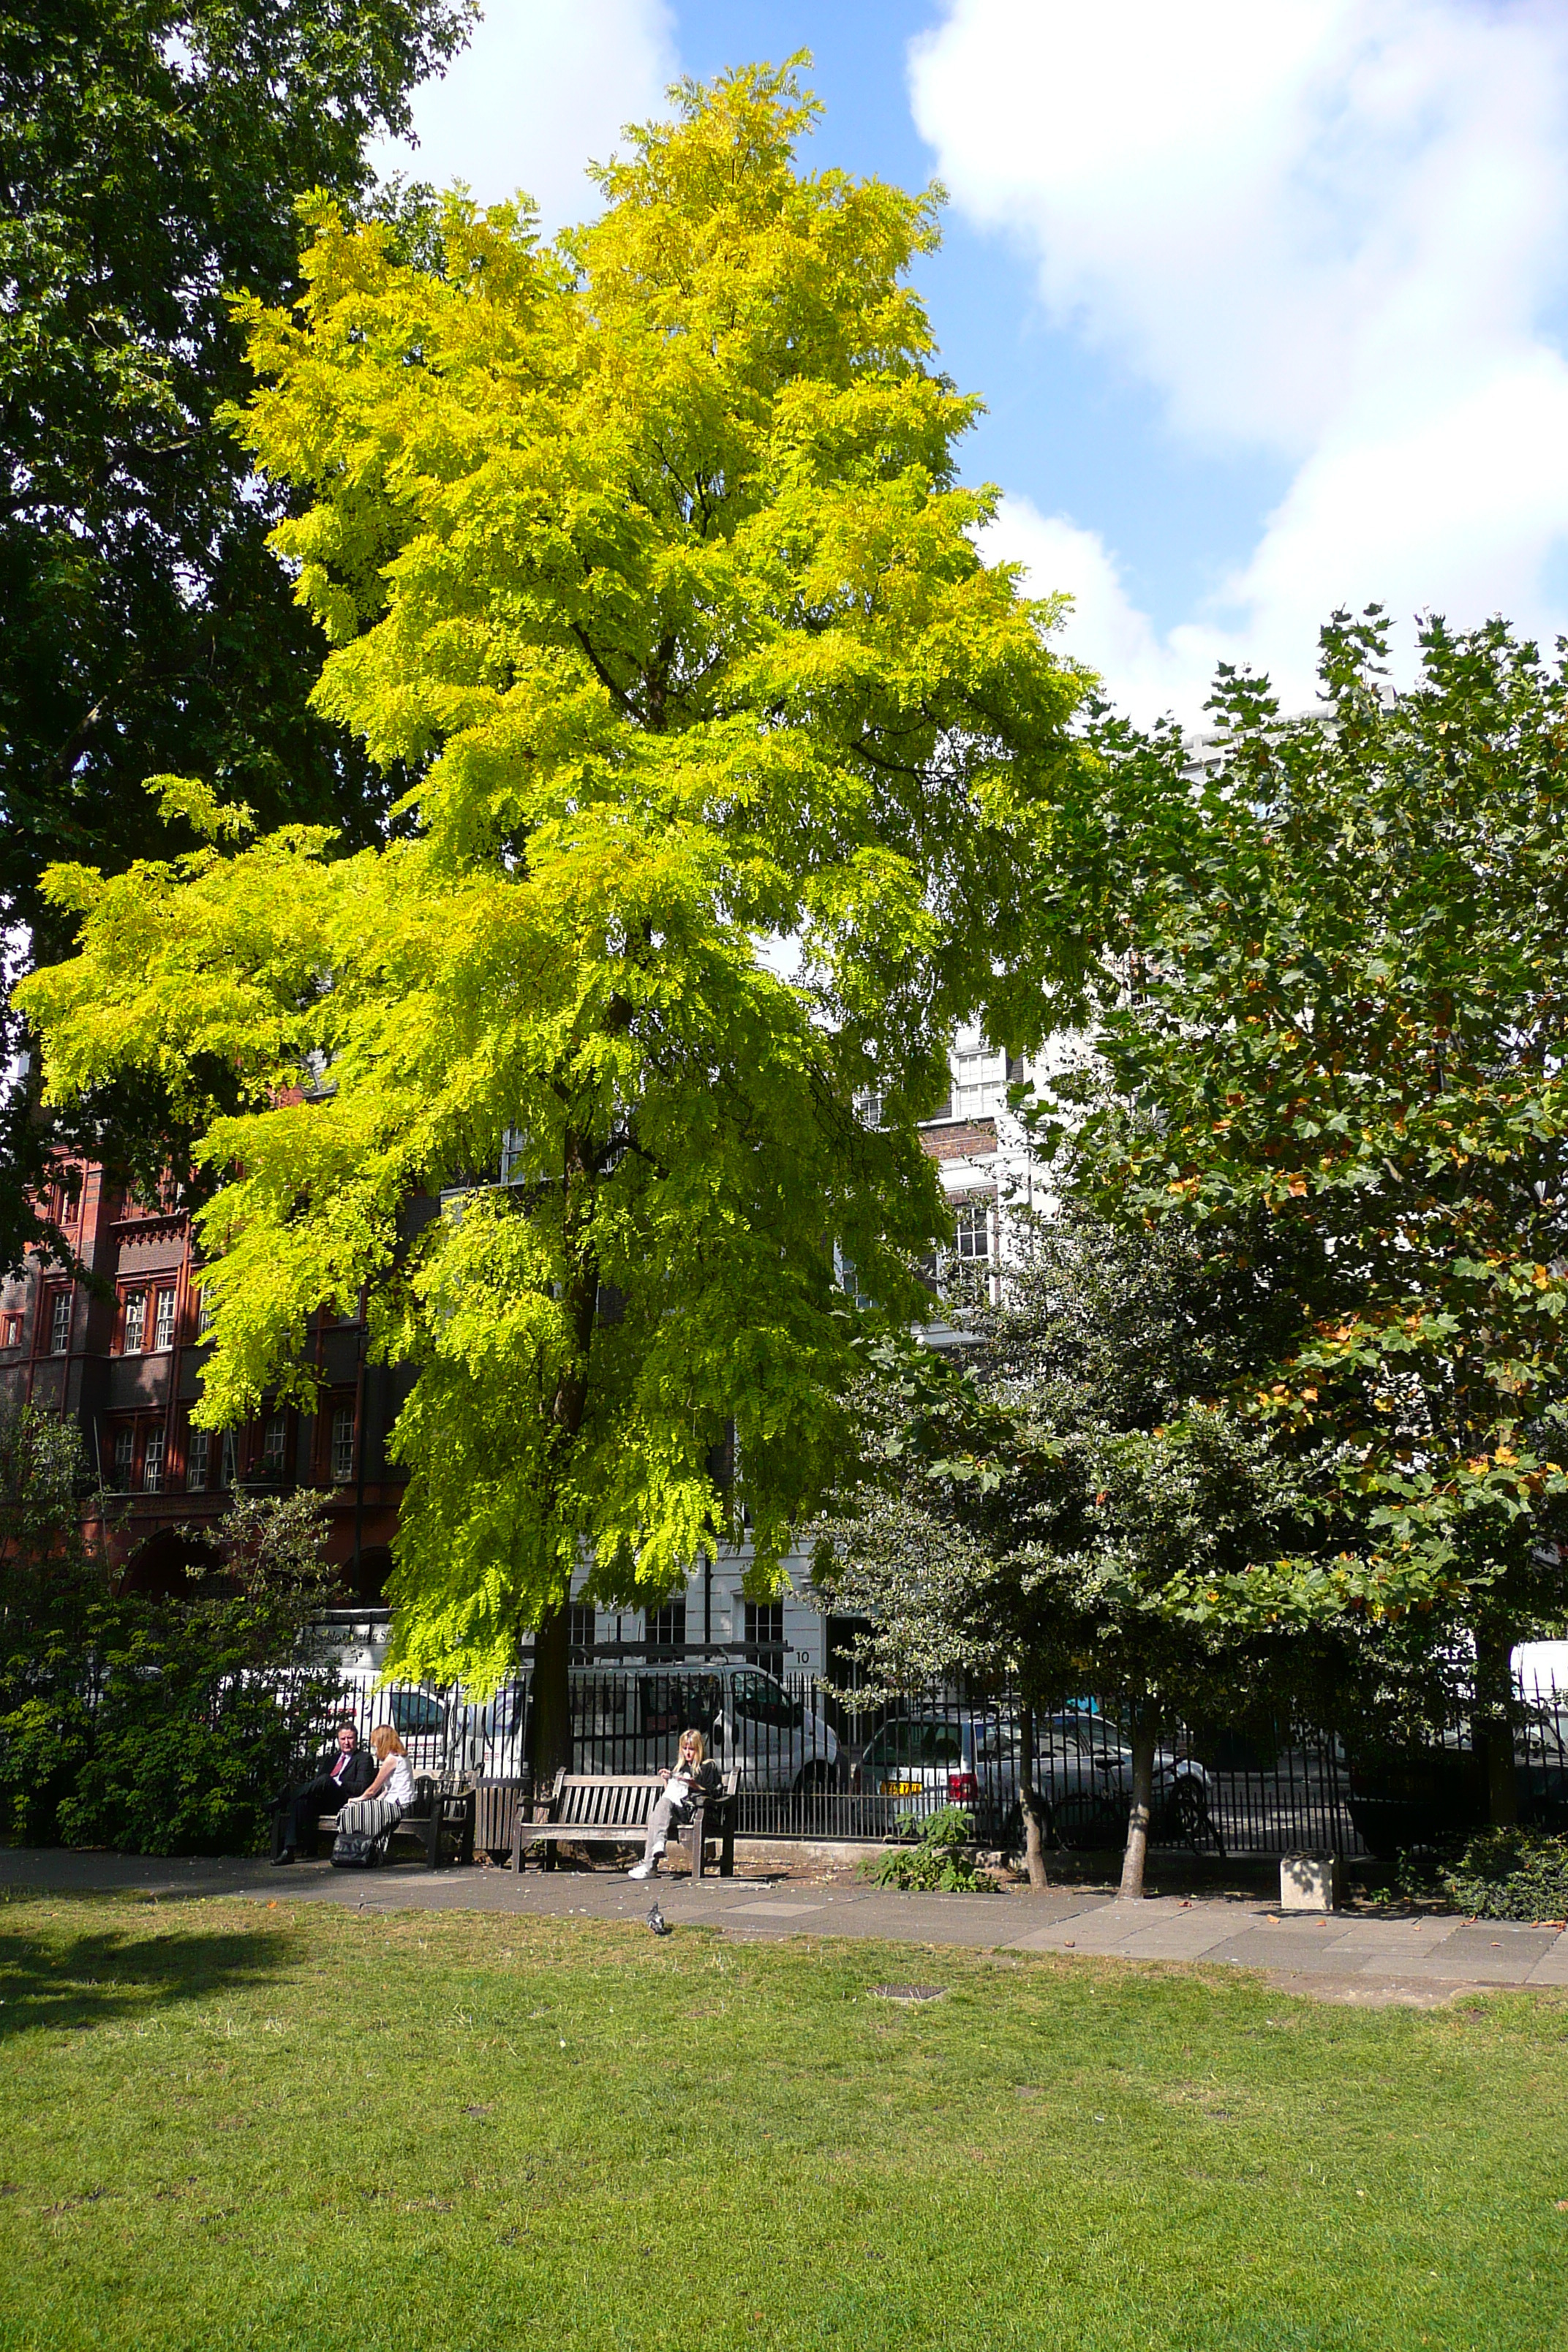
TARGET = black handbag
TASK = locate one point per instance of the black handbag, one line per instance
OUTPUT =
(355, 1850)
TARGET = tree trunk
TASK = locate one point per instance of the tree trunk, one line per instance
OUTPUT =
(1495, 1712)
(1137, 1850)
(1032, 1804)
(551, 1747)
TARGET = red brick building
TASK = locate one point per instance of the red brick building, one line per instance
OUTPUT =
(122, 1357)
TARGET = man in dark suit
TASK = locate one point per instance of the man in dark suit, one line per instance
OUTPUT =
(346, 1771)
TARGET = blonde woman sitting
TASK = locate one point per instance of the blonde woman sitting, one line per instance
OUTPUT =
(693, 1775)
(389, 1795)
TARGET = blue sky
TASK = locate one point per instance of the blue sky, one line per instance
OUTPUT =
(1266, 305)
(1065, 426)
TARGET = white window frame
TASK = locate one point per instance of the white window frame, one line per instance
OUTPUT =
(274, 1457)
(342, 1463)
(152, 1462)
(972, 1223)
(198, 1460)
(60, 1306)
(135, 1339)
(163, 1321)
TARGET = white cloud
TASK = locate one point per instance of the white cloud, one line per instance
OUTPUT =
(1333, 229)
(1147, 674)
(541, 89)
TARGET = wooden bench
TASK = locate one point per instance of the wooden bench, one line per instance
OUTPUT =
(438, 1817)
(614, 1808)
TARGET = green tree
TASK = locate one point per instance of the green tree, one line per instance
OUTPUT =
(1070, 1509)
(1346, 1014)
(151, 156)
(644, 551)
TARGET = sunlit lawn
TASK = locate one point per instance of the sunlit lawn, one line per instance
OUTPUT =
(227, 2124)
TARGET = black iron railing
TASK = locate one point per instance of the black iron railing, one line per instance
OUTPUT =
(812, 1765)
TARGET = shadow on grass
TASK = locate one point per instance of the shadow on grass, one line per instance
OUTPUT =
(106, 1973)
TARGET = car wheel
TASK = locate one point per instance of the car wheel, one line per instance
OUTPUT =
(813, 1779)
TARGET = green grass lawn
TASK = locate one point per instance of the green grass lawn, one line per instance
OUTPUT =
(292, 2126)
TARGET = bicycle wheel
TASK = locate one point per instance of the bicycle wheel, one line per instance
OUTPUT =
(1189, 1813)
(1085, 1822)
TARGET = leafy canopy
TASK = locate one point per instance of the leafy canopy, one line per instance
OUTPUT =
(1069, 1507)
(151, 156)
(644, 551)
(1347, 1019)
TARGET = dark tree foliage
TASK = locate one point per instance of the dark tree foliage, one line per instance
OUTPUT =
(1347, 1025)
(1073, 1508)
(152, 1723)
(151, 156)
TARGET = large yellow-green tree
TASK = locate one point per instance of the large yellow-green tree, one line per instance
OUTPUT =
(644, 551)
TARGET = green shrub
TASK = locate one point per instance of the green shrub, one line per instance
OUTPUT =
(175, 1767)
(1511, 1875)
(154, 1723)
(936, 1861)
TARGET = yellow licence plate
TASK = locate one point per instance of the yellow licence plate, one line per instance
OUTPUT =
(900, 1787)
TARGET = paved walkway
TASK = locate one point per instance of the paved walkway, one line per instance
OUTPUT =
(1343, 1957)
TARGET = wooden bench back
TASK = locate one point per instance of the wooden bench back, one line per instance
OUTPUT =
(613, 1800)
(591, 1801)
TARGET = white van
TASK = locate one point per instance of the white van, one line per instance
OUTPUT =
(629, 1719)
(425, 1720)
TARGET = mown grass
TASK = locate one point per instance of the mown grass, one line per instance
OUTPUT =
(291, 2127)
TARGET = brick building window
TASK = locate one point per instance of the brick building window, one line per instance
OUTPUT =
(198, 1460)
(13, 1332)
(228, 1461)
(164, 1322)
(135, 1322)
(121, 1458)
(274, 1440)
(343, 1442)
(59, 1323)
(203, 1315)
(153, 1463)
(971, 1222)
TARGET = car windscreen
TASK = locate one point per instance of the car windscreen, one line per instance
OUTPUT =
(677, 1702)
(415, 1714)
(757, 1698)
(915, 1743)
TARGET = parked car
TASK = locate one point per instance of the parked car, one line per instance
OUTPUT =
(921, 1763)
(1083, 1769)
(629, 1720)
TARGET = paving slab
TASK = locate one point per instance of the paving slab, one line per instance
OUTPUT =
(1191, 1938)
(1469, 1943)
(1249, 1949)
(1393, 1936)
(1106, 1925)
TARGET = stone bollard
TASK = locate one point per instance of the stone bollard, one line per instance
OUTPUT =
(1310, 1881)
